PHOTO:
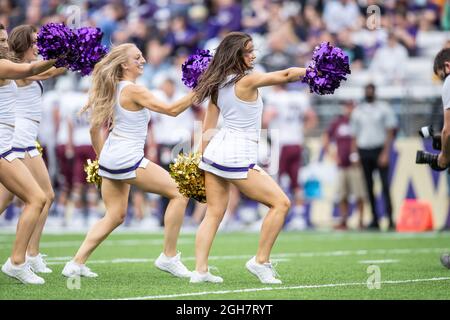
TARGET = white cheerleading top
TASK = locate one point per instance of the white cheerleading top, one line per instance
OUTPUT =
(234, 149)
(8, 95)
(124, 147)
(130, 124)
(237, 114)
(29, 102)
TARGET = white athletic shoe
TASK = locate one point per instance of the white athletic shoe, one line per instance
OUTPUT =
(38, 264)
(265, 272)
(73, 269)
(22, 272)
(172, 265)
(198, 277)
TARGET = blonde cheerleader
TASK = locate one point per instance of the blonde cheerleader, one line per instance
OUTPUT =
(115, 100)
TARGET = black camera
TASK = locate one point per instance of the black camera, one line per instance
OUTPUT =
(428, 132)
(423, 157)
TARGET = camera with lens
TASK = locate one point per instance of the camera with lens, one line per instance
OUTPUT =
(428, 132)
(424, 157)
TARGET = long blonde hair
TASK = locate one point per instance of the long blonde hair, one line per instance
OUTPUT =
(102, 94)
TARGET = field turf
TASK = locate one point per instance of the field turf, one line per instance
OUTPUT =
(312, 265)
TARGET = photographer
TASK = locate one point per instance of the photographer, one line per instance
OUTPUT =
(442, 70)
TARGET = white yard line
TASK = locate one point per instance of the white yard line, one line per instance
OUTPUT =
(130, 242)
(378, 261)
(316, 286)
(278, 256)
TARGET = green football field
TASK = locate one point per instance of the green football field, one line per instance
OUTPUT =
(312, 265)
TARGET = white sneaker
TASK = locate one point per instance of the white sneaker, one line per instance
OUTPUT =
(198, 277)
(265, 272)
(22, 272)
(38, 264)
(172, 265)
(73, 269)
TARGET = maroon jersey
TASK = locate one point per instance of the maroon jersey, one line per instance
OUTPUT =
(340, 132)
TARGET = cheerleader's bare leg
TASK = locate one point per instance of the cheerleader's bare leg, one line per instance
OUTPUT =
(154, 179)
(115, 195)
(37, 167)
(17, 178)
(6, 197)
(261, 187)
(217, 193)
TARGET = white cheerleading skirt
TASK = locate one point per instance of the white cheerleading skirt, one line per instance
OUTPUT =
(120, 158)
(231, 154)
(25, 135)
(6, 138)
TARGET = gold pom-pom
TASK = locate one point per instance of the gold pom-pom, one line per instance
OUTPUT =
(188, 176)
(91, 169)
(39, 148)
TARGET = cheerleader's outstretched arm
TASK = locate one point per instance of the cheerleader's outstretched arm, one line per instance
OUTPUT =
(13, 71)
(50, 73)
(256, 80)
(209, 124)
(143, 97)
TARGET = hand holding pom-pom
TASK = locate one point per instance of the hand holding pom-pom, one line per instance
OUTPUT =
(194, 66)
(189, 177)
(329, 66)
(91, 169)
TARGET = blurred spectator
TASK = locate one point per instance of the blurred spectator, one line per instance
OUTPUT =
(64, 154)
(226, 15)
(350, 176)
(373, 124)
(354, 51)
(291, 115)
(388, 63)
(256, 16)
(340, 14)
(406, 31)
(84, 195)
(170, 135)
(156, 55)
(181, 34)
(107, 19)
(278, 57)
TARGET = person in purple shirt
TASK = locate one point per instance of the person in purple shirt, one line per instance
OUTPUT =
(227, 14)
(350, 178)
(181, 34)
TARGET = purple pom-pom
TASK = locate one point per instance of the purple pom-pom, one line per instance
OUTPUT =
(329, 66)
(55, 41)
(89, 50)
(194, 66)
(77, 50)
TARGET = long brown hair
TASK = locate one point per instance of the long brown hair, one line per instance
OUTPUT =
(105, 77)
(20, 40)
(228, 59)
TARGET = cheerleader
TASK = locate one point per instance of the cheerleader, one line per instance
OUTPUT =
(14, 175)
(28, 113)
(115, 100)
(230, 157)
